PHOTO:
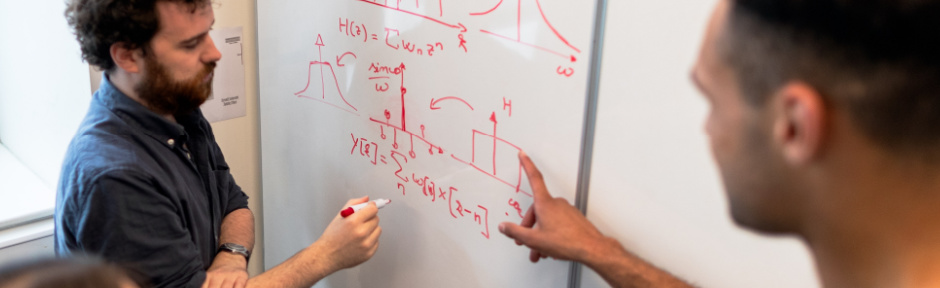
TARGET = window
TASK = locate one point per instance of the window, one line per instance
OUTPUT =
(44, 94)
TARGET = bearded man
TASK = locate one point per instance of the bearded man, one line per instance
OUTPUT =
(144, 183)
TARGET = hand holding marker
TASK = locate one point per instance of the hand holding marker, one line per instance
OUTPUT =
(379, 203)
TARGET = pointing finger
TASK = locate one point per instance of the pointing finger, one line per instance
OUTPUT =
(539, 191)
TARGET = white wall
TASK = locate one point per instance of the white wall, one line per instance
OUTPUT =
(44, 93)
(43, 100)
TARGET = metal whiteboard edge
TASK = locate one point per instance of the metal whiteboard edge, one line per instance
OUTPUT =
(590, 119)
(259, 142)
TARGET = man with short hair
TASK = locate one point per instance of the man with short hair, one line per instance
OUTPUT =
(824, 122)
(144, 183)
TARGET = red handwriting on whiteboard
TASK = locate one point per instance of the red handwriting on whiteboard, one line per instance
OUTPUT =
(397, 7)
(515, 205)
(567, 72)
(410, 47)
(366, 149)
(394, 40)
(463, 42)
(323, 83)
(516, 179)
(518, 31)
(431, 189)
(404, 143)
(352, 29)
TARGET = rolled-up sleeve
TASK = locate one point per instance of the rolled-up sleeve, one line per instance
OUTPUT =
(233, 198)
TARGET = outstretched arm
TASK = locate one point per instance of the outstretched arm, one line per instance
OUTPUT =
(347, 242)
(554, 228)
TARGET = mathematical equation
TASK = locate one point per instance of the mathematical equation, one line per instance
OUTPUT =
(398, 144)
(430, 189)
(393, 39)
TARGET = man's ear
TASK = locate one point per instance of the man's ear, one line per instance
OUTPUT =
(127, 59)
(799, 125)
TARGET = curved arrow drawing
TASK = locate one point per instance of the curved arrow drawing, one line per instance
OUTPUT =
(487, 11)
(434, 102)
(340, 57)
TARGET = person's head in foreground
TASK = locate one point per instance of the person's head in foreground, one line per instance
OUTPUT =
(825, 122)
(66, 273)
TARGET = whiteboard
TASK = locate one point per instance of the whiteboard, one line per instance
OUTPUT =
(427, 103)
(654, 185)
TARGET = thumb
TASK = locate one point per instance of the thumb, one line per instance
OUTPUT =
(522, 235)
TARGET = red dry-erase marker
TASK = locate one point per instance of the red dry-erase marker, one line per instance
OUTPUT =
(352, 209)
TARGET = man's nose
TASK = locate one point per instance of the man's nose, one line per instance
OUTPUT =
(212, 54)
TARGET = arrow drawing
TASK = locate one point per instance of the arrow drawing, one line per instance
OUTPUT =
(434, 102)
(340, 57)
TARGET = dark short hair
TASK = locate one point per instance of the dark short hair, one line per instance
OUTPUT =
(67, 273)
(98, 24)
(877, 59)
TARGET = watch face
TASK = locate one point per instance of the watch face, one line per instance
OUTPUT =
(235, 247)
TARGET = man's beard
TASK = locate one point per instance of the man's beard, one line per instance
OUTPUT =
(165, 96)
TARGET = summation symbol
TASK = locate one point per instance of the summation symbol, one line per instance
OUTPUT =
(323, 91)
(390, 81)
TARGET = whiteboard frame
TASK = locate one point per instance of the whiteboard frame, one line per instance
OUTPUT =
(590, 120)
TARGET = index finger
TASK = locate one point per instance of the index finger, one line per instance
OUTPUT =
(539, 191)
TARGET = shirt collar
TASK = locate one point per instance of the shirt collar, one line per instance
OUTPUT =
(168, 133)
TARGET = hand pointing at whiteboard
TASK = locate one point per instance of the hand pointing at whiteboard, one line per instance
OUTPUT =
(562, 231)
(554, 228)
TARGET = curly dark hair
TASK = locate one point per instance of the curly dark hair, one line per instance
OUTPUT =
(98, 24)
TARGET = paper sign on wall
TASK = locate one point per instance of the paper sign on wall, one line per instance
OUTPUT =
(228, 88)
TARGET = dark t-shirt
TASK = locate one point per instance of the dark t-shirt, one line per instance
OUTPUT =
(144, 192)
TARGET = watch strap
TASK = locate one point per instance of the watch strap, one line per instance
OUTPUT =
(235, 248)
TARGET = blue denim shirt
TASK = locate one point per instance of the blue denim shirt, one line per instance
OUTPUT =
(144, 192)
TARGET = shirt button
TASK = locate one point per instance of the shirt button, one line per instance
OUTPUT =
(170, 142)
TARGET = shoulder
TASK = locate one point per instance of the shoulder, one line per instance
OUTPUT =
(105, 147)
(102, 148)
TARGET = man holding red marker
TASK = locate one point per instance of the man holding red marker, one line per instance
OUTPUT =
(144, 183)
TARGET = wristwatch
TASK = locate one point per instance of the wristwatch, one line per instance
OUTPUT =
(235, 248)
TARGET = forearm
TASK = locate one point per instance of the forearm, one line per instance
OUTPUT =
(238, 227)
(304, 269)
(620, 268)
